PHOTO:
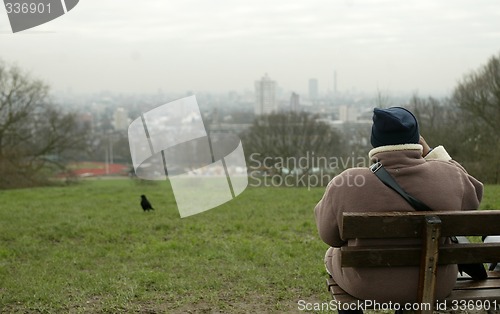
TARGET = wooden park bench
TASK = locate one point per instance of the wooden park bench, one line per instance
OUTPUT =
(429, 226)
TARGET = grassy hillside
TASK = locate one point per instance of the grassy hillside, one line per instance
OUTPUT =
(90, 248)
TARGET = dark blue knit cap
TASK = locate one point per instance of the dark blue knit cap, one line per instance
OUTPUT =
(394, 126)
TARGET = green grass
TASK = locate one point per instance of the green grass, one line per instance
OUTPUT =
(491, 197)
(90, 248)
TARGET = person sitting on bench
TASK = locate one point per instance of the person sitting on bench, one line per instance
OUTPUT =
(429, 175)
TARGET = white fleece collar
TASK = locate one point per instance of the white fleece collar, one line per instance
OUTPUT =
(438, 153)
(392, 148)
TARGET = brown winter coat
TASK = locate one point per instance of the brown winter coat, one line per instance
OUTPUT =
(438, 181)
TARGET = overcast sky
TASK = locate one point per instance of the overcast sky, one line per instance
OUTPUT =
(199, 45)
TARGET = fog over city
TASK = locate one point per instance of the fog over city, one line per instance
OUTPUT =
(221, 46)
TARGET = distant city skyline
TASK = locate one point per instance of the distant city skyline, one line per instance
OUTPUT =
(219, 46)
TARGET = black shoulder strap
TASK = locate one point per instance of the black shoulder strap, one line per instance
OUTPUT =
(388, 180)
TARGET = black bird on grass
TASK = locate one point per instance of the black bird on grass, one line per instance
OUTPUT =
(145, 204)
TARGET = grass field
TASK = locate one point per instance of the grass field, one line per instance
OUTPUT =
(90, 248)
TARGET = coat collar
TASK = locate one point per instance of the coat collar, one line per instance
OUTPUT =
(393, 148)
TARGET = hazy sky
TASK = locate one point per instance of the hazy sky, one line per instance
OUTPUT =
(200, 45)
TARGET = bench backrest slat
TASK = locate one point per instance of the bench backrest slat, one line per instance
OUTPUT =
(410, 256)
(410, 224)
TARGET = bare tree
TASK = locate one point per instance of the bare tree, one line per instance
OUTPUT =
(382, 99)
(438, 122)
(478, 97)
(291, 142)
(479, 93)
(34, 133)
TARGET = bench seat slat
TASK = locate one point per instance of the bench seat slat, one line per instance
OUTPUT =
(338, 294)
(491, 275)
(345, 298)
(483, 294)
(465, 289)
(493, 281)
